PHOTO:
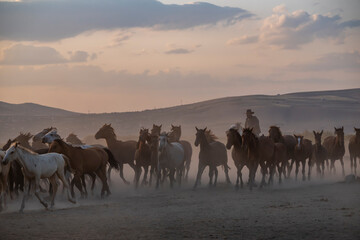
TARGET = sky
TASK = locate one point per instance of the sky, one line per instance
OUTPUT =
(130, 55)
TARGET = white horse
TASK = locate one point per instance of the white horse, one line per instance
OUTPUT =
(36, 167)
(4, 172)
(53, 135)
(171, 156)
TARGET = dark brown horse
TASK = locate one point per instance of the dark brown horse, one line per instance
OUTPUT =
(288, 140)
(260, 151)
(354, 149)
(142, 156)
(302, 151)
(85, 161)
(174, 136)
(335, 148)
(211, 154)
(319, 156)
(156, 130)
(154, 148)
(73, 139)
(123, 151)
(238, 154)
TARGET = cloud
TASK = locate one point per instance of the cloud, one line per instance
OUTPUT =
(54, 20)
(179, 51)
(120, 39)
(293, 30)
(243, 40)
(20, 54)
(331, 62)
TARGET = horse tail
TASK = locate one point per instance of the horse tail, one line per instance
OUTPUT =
(67, 163)
(111, 159)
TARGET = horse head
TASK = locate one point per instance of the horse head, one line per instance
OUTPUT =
(50, 137)
(11, 154)
(156, 129)
(37, 137)
(200, 135)
(317, 136)
(357, 131)
(299, 140)
(275, 133)
(163, 141)
(232, 136)
(105, 131)
(339, 135)
(175, 133)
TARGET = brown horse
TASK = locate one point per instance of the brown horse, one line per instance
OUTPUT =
(211, 154)
(354, 149)
(288, 140)
(4, 174)
(84, 161)
(260, 151)
(142, 156)
(319, 155)
(123, 151)
(174, 136)
(302, 151)
(73, 139)
(154, 159)
(156, 130)
(335, 148)
(238, 154)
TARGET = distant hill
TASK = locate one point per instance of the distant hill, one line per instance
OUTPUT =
(294, 112)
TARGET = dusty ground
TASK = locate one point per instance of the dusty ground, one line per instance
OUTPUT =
(319, 209)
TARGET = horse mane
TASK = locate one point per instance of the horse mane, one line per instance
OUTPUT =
(24, 136)
(24, 148)
(277, 129)
(237, 134)
(210, 136)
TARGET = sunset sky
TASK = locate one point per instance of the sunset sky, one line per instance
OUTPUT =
(130, 55)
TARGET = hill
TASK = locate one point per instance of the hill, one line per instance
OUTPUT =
(294, 112)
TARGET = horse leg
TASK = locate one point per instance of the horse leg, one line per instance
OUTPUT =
(342, 165)
(60, 174)
(84, 185)
(303, 163)
(37, 192)
(77, 181)
(226, 170)
(121, 166)
(187, 172)
(279, 167)
(179, 174)
(332, 166)
(263, 172)
(323, 169)
(355, 165)
(211, 174)
(133, 166)
(297, 169)
(109, 173)
(290, 166)
(102, 175)
(25, 194)
(327, 165)
(54, 190)
(171, 176)
(151, 175)
(351, 163)
(146, 170)
(199, 173)
(216, 176)
(137, 175)
(310, 167)
(93, 179)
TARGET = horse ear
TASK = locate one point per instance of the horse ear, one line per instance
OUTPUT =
(314, 132)
(205, 128)
(196, 129)
(321, 132)
(160, 125)
(16, 143)
(342, 128)
(172, 126)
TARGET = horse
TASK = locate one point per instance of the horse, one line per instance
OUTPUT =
(123, 151)
(171, 157)
(36, 167)
(82, 161)
(142, 156)
(154, 158)
(260, 150)
(37, 139)
(156, 130)
(289, 141)
(354, 149)
(73, 139)
(238, 154)
(211, 154)
(174, 136)
(335, 148)
(4, 174)
(302, 151)
(53, 135)
(319, 155)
